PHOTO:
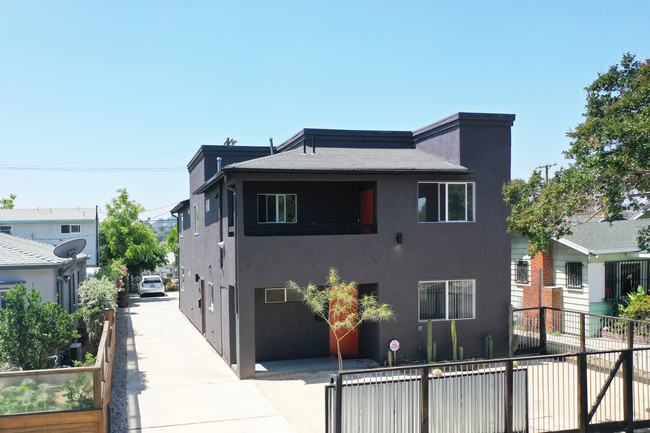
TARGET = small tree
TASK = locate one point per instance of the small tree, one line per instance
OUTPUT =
(32, 331)
(338, 305)
(7, 203)
(172, 243)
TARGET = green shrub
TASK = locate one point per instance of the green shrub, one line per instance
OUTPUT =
(95, 296)
(171, 284)
(79, 391)
(32, 331)
(27, 397)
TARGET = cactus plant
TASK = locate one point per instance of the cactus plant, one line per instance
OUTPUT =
(390, 358)
(454, 341)
(460, 353)
(431, 345)
(489, 347)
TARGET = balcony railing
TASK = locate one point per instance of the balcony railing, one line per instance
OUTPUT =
(290, 229)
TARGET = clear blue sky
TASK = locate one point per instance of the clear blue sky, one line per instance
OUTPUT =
(94, 93)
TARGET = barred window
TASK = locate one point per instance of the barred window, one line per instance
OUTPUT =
(574, 275)
(521, 276)
(446, 300)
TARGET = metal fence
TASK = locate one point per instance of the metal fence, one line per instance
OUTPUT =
(552, 330)
(603, 391)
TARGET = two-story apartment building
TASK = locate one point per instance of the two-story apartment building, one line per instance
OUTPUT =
(415, 217)
(53, 226)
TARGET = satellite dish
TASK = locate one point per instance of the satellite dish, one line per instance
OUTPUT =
(69, 248)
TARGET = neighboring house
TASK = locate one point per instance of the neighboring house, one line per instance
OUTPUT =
(34, 263)
(53, 226)
(416, 218)
(580, 272)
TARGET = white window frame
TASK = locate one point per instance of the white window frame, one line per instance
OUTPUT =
(287, 297)
(420, 319)
(211, 286)
(446, 210)
(70, 228)
(180, 232)
(11, 230)
(277, 208)
(182, 279)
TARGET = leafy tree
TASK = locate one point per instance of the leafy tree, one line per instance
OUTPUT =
(338, 305)
(608, 171)
(8, 203)
(125, 239)
(32, 331)
(172, 243)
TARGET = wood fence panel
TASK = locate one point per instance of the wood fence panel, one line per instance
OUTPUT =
(58, 422)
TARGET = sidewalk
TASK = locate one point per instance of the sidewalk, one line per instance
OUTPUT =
(176, 382)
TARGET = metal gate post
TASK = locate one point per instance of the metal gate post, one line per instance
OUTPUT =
(424, 400)
(542, 330)
(583, 409)
(583, 332)
(509, 391)
(338, 408)
(628, 389)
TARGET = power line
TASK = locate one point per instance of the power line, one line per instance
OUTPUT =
(94, 169)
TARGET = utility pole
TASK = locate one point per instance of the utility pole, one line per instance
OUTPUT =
(547, 166)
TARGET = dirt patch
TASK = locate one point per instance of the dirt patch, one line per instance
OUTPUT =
(299, 397)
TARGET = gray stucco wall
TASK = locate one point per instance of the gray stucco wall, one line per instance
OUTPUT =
(477, 250)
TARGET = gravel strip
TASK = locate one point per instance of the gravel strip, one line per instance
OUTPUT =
(119, 398)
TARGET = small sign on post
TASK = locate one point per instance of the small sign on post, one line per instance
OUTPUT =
(394, 347)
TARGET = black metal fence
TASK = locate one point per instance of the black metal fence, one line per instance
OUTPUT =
(579, 392)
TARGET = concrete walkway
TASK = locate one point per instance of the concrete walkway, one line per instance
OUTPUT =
(176, 382)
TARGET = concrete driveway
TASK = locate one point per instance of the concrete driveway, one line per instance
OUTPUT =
(176, 382)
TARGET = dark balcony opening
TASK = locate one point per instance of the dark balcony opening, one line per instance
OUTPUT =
(309, 208)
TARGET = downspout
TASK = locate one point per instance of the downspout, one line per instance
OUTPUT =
(236, 261)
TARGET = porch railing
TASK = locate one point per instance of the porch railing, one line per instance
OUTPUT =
(552, 330)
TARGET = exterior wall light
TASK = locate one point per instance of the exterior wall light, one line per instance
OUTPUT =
(398, 238)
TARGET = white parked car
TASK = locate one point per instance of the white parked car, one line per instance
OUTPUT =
(151, 284)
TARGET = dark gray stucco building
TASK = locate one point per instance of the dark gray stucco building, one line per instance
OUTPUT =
(415, 217)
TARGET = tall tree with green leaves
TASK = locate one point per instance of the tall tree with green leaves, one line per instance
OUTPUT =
(33, 331)
(125, 239)
(172, 243)
(609, 163)
(7, 203)
(338, 305)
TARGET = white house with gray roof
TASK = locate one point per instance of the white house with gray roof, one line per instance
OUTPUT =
(53, 226)
(599, 261)
(34, 263)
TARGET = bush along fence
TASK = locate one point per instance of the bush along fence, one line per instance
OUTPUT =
(63, 399)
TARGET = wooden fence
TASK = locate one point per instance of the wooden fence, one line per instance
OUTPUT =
(93, 393)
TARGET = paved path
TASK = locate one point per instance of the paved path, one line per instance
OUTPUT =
(176, 382)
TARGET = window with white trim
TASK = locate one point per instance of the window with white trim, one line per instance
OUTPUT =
(445, 202)
(447, 300)
(521, 269)
(276, 296)
(573, 275)
(182, 279)
(181, 226)
(8, 230)
(276, 208)
(211, 307)
(70, 228)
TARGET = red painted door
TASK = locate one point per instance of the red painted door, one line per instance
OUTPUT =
(367, 209)
(349, 343)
